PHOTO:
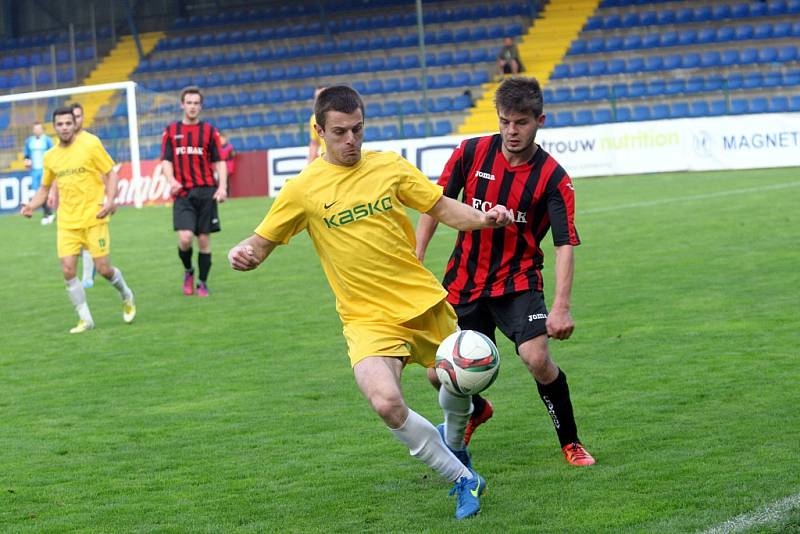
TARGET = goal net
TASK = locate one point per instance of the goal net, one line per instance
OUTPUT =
(110, 112)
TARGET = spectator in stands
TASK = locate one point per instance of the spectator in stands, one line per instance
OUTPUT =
(228, 155)
(35, 147)
(508, 61)
(316, 145)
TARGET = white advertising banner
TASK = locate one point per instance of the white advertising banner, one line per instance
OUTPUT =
(712, 143)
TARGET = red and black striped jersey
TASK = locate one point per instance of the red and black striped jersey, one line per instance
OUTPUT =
(191, 148)
(495, 262)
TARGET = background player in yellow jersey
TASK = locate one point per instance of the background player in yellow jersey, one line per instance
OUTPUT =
(87, 188)
(316, 145)
(393, 309)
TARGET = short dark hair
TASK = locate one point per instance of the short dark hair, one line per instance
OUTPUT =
(76, 105)
(191, 90)
(63, 111)
(341, 98)
(520, 94)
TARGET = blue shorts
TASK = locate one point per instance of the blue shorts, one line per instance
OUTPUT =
(36, 179)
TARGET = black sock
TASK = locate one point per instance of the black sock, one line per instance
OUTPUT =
(478, 403)
(204, 261)
(186, 258)
(556, 399)
(47, 210)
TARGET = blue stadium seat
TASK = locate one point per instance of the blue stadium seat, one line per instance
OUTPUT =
(581, 93)
(637, 89)
(287, 139)
(669, 38)
(759, 104)
(461, 102)
(615, 66)
(372, 133)
(288, 116)
(442, 128)
(787, 53)
(641, 113)
(794, 103)
(725, 34)
(409, 107)
(564, 118)
(710, 58)
(781, 30)
(584, 117)
(739, 106)
(391, 85)
(779, 104)
(623, 114)
(579, 69)
(597, 68)
(791, 78)
(409, 130)
(762, 31)
(699, 108)
(373, 110)
(602, 116)
(674, 87)
(691, 60)
(706, 36)
(743, 32)
(768, 54)
(600, 92)
(729, 57)
(634, 65)
(752, 80)
(562, 94)
(679, 110)
(390, 132)
(718, 107)
(660, 111)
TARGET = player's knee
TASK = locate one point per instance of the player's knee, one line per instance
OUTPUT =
(390, 408)
(535, 356)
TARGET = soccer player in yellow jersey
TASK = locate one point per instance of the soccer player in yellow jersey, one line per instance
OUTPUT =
(87, 186)
(393, 309)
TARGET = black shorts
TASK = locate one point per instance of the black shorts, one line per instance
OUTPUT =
(519, 316)
(197, 211)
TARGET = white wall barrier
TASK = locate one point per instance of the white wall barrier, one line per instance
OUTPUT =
(712, 143)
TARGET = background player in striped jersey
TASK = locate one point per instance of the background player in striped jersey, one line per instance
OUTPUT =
(190, 150)
(494, 277)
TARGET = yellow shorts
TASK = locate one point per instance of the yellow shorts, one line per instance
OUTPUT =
(415, 340)
(96, 239)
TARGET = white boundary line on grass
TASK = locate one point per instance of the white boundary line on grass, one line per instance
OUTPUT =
(770, 513)
(719, 194)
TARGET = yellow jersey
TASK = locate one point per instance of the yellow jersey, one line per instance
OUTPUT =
(78, 170)
(358, 224)
(314, 135)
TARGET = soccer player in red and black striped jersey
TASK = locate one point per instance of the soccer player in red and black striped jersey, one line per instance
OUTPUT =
(494, 277)
(190, 150)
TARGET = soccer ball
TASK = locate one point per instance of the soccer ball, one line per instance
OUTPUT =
(467, 362)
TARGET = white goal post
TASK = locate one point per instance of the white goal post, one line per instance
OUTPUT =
(133, 129)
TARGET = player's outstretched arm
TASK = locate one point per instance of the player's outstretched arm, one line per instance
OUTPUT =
(36, 202)
(250, 253)
(465, 218)
(426, 227)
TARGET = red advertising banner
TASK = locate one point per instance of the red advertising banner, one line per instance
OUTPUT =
(249, 180)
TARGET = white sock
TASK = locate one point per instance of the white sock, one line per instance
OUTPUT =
(78, 297)
(456, 414)
(119, 282)
(88, 264)
(422, 440)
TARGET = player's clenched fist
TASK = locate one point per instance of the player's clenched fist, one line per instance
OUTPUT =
(243, 258)
(499, 216)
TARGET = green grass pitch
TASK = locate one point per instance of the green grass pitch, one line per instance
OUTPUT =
(239, 413)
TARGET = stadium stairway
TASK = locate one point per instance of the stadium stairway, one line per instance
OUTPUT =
(541, 49)
(117, 66)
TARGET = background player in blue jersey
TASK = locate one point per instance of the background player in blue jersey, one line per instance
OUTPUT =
(35, 147)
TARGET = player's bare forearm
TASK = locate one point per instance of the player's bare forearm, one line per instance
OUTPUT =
(466, 218)
(36, 202)
(110, 205)
(169, 173)
(250, 253)
(426, 227)
(222, 176)
(564, 272)
(559, 322)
